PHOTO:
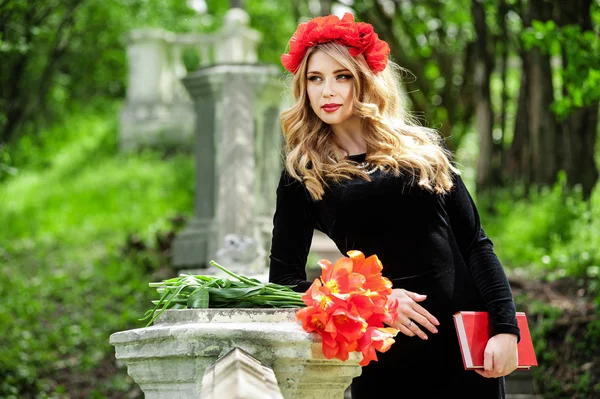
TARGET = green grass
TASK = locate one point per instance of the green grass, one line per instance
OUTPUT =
(67, 283)
(87, 193)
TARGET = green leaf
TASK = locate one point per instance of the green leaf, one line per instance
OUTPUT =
(199, 299)
(234, 293)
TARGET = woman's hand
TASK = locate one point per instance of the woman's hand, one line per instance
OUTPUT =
(500, 357)
(411, 314)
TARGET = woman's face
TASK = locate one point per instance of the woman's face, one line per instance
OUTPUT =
(330, 88)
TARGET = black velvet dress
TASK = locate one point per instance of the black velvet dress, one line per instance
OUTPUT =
(428, 243)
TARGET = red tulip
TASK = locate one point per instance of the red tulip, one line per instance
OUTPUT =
(380, 339)
(339, 277)
(370, 268)
(349, 306)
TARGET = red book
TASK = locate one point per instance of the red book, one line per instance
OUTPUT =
(473, 330)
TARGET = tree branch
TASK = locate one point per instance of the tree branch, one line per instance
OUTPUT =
(57, 52)
(15, 112)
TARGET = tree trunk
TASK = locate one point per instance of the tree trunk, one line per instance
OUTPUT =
(498, 156)
(542, 122)
(13, 98)
(579, 142)
(484, 116)
(384, 26)
(578, 131)
(538, 164)
(517, 165)
(401, 30)
(16, 96)
(59, 50)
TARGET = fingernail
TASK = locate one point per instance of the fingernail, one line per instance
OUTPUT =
(435, 330)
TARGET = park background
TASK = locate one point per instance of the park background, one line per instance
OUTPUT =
(513, 85)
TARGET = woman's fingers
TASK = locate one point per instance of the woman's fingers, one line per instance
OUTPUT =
(422, 311)
(424, 321)
(403, 329)
(500, 356)
(410, 328)
(415, 297)
(411, 315)
(412, 310)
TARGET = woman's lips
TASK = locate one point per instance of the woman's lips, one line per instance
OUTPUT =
(331, 107)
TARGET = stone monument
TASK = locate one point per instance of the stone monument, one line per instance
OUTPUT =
(228, 111)
(238, 146)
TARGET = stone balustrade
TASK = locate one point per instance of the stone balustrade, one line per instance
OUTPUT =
(158, 110)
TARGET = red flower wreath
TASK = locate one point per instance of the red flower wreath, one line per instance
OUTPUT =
(359, 37)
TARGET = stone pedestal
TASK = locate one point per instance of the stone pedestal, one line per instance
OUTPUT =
(168, 360)
(238, 141)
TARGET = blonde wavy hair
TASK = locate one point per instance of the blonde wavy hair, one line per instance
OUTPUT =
(395, 141)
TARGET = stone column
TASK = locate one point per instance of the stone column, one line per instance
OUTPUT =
(197, 242)
(268, 144)
(226, 98)
(169, 359)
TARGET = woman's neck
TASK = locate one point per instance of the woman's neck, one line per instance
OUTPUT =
(350, 136)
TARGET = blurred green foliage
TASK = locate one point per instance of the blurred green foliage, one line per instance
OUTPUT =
(68, 282)
(552, 235)
(553, 231)
(57, 53)
(580, 75)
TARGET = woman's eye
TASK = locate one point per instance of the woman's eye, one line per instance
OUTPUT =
(314, 78)
(344, 77)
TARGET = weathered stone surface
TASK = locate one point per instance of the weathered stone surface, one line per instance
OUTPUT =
(158, 110)
(238, 141)
(176, 351)
(239, 375)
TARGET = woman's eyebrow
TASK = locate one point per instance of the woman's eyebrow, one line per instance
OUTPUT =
(338, 71)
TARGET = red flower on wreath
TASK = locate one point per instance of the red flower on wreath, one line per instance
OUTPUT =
(348, 306)
(359, 37)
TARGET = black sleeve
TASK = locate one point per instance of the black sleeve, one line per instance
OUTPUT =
(293, 227)
(485, 267)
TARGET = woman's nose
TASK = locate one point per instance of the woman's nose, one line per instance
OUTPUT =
(328, 88)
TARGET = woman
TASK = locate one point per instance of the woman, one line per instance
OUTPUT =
(360, 170)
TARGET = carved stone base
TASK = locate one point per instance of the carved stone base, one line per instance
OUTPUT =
(239, 375)
(169, 359)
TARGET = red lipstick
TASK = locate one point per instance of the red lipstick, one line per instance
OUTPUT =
(332, 107)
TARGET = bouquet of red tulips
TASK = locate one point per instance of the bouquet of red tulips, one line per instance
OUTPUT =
(348, 306)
